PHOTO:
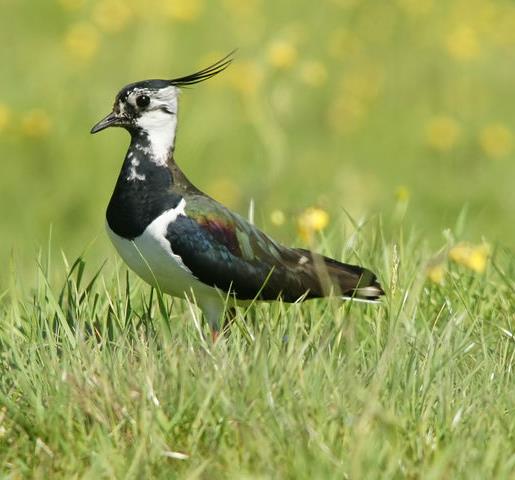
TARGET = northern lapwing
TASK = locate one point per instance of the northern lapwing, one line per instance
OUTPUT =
(184, 242)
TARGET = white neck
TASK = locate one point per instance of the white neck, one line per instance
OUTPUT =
(160, 128)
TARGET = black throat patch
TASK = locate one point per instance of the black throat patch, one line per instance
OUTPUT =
(143, 192)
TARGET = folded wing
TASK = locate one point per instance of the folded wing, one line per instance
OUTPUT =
(225, 251)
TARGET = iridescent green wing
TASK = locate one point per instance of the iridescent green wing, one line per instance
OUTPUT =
(223, 250)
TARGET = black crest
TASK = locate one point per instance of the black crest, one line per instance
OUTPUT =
(205, 73)
(190, 79)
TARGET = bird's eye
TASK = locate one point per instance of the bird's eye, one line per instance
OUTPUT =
(143, 101)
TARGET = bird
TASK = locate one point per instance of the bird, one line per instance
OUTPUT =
(188, 245)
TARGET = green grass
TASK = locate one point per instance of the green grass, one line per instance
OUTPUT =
(101, 379)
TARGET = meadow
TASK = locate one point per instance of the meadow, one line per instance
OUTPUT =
(380, 133)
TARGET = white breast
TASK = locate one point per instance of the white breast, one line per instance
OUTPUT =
(150, 256)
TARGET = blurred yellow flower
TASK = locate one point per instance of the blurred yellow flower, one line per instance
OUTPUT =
(473, 257)
(313, 73)
(277, 218)
(416, 7)
(183, 10)
(112, 15)
(442, 133)
(496, 140)
(310, 221)
(5, 117)
(402, 194)
(71, 4)
(82, 41)
(36, 123)
(245, 76)
(436, 273)
(282, 54)
(463, 43)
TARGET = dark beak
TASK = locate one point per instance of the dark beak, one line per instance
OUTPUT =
(111, 120)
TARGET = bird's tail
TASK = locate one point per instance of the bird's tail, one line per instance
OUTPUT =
(349, 281)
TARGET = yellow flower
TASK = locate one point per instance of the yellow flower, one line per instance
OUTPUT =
(478, 258)
(463, 44)
(277, 218)
(473, 257)
(5, 117)
(82, 41)
(496, 140)
(112, 15)
(436, 273)
(313, 73)
(183, 10)
(402, 194)
(282, 54)
(442, 133)
(36, 123)
(310, 221)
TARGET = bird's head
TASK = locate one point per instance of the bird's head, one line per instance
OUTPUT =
(151, 105)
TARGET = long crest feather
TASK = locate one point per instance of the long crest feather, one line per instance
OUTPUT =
(205, 73)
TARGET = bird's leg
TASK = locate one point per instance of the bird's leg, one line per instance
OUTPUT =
(227, 320)
(218, 315)
(213, 309)
(215, 334)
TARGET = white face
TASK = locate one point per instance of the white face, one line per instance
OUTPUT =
(155, 112)
(164, 100)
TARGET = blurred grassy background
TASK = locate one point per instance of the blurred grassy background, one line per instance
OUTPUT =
(353, 104)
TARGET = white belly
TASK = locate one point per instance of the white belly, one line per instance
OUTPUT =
(151, 257)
